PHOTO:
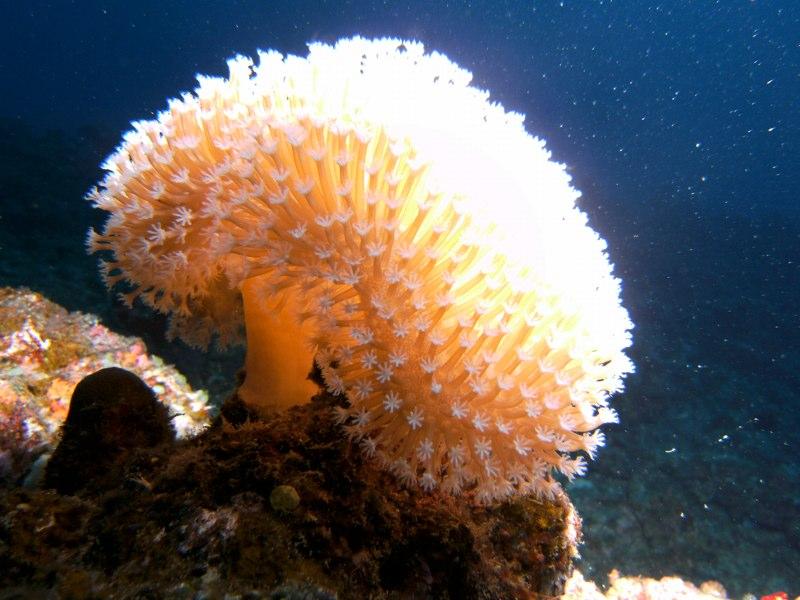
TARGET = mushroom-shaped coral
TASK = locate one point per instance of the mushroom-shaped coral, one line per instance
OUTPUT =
(368, 207)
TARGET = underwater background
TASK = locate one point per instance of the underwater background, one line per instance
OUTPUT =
(679, 122)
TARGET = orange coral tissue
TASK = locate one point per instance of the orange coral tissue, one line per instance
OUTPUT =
(366, 207)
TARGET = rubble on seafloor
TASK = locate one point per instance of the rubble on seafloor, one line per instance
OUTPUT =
(44, 352)
(642, 588)
(648, 588)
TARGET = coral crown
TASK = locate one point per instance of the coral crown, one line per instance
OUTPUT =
(453, 291)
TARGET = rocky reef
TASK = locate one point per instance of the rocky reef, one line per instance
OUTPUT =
(258, 507)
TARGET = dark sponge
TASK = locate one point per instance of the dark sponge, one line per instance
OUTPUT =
(111, 413)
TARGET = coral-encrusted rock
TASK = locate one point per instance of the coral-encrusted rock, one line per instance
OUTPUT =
(112, 412)
(201, 517)
(44, 352)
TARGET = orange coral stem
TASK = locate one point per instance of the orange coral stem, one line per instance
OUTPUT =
(278, 359)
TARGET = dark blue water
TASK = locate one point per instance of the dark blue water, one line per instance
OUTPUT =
(678, 120)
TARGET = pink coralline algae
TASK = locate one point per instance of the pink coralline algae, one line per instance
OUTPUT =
(44, 352)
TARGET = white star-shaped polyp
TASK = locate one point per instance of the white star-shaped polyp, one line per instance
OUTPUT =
(458, 409)
(385, 372)
(522, 445)
(397, 358)
(369, 359)
(533, 409)
(505, 382)
(427, 482)
(400, 330)
(472, 366)
(415, 418)
(478, 386)
(425, 450)
(429, 364)
(299, 231)
(483, 448)
(503, 427)
(545, 434)
(369, 446)
(362, 335)
(362, 418)
(480, 422)
(362, 389)
(392, 401)
(457, 455)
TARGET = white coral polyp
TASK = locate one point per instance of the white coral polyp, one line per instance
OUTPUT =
(455, 293)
